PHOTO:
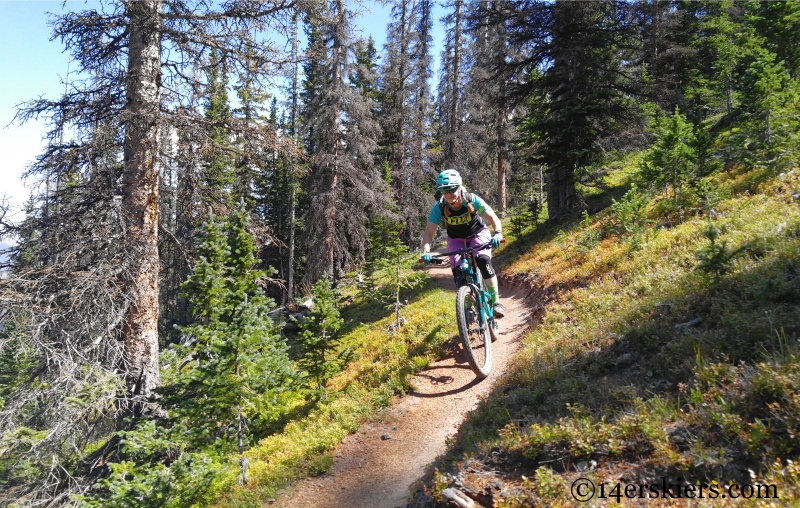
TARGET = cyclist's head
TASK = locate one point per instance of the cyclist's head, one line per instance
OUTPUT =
(448, 180)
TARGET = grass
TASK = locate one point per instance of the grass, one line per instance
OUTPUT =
(642, 364)
(645, 365)
(382, 364)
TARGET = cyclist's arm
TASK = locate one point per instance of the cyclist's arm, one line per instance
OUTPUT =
(493, 219)
(427, 236)
(487, 213)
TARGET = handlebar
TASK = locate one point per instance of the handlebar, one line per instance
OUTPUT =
(464, 250)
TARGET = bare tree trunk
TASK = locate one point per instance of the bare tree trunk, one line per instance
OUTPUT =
(140, 199)
(541, 186)
(502, 156)
(501, 179)
(292, 196)
(456, 92)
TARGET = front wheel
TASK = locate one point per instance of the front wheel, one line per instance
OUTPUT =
(474, 337)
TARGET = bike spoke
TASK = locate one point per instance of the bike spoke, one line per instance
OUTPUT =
(474, 335)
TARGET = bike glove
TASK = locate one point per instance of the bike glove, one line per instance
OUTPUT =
(426, 257)
(496, 239)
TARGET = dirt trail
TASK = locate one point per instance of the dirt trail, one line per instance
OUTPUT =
(375, 467)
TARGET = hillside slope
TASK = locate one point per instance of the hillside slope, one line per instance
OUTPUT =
(663, 365)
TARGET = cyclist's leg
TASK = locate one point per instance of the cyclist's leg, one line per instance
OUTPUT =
(455, 259)
(484, 260)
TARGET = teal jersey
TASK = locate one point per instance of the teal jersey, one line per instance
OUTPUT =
(460, 223)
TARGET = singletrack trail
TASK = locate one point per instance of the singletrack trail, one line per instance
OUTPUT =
(375, 467)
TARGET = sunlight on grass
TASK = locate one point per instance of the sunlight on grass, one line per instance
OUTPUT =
(641, 360)
(382, 363)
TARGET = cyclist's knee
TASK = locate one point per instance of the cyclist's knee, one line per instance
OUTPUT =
(485, 266)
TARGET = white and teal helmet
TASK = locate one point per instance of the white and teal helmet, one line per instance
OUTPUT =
(448, 180)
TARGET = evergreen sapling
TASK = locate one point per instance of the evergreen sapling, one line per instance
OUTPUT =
(237, 362)
(632, 219)
(318, 338)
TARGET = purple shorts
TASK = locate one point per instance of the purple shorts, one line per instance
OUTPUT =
(481, 238)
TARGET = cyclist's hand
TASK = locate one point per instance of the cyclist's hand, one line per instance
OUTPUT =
(426, 257)
(496, 239)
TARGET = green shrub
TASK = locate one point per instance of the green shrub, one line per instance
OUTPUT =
(715, 258)
(318, 338)
(589, 237)
(631, 218)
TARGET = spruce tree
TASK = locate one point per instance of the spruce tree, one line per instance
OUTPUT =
(584, 92)
(404, 90)
(318, 339)
(386, 266)
(671, 161)
(218, 174)
(345, 186)
(137, 80)
(237, 362)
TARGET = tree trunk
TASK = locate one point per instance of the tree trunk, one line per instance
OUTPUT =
(561, 195)
(292, 196)
(456, 89)
(502, 157)
(323, 214)
(400, 155)
(140, 200)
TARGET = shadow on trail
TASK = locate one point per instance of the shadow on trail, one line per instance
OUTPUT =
(675, 335)
(462, 388)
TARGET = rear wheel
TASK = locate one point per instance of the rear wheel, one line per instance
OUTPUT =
(476, 340)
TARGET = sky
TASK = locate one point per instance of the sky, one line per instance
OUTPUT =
(33, 66)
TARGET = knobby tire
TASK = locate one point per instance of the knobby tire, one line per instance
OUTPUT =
(477, 343)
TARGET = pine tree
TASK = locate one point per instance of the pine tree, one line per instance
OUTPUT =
(344, 183)
(387, 273)
(766, 91)
(450, 88)
(671, 161)
(102, 325)
(237, 362)
(318, 339)
(404, 90)
(583, 93)
(218, 174)
(666, 53)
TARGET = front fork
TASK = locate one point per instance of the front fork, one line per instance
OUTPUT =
(485, 311)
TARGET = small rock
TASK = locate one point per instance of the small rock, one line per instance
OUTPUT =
(496, 485)
(689, 324)
(625, 359)
(458, 498)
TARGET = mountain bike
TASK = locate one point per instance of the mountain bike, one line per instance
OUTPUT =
(477, 325)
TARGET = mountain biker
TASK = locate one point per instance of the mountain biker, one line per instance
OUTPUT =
(463, 214)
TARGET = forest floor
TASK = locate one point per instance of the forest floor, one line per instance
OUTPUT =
(376, 466)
